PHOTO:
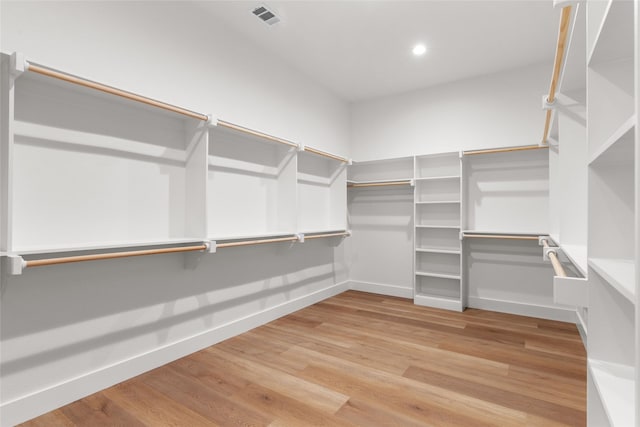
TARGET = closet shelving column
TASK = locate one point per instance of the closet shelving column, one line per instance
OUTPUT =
(90, 167)
(612, 143)
(437, 231)
(251, 187)
(380, 206)
(322, 191)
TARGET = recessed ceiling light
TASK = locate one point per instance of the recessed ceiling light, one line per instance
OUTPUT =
(419, 49)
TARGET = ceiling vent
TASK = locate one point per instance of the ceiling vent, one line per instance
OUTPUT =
(266, 15)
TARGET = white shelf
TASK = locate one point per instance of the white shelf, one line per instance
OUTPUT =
(251, 236)
(378, 181)
(439, 251)
(577, 254)
(616, 387)
(436, 178)
(619, 147)
(440, 275)
(616, 25)
(432, 202)
(507, 233)
(31, 250)
(438, 226)
(619, 273)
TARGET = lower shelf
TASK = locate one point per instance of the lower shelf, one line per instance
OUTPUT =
(438, 302)
(616, 388)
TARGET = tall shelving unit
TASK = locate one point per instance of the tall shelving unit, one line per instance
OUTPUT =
(612, 118)
(438, 267)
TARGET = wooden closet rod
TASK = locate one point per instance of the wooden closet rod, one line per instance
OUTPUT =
(113, 91)
(95, 257)
(555, 262)
(565, 20)
(318, 236)
(256, 242)
(379, 184)
(256, 133)
(501, 236)
(504, 150)
(325, 154)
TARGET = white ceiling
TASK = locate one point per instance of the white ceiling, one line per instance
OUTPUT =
(362, 49)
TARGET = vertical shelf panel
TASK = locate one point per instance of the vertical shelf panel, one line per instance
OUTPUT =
(251, 186)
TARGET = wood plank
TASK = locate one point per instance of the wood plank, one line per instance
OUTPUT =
(360, 359)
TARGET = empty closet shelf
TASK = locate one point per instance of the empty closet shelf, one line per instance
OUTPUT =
(49, 72)
(432, 202)
(255, 133)
(390, 183)
(439, 251)
(454, 227)
(619, 273)
(440, 275)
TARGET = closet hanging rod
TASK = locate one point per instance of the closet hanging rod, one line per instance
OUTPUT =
(325, 154)
(504, 150)
(256, 133)
(319, 236)
(113, 91)
(501, 236)
(565, 19)
(95, 257)
(256, 242)
(379, 184)
(553, 257)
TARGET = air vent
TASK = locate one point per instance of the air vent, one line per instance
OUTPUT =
(266, 15)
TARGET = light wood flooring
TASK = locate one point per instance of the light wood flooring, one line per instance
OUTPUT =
(360, 359)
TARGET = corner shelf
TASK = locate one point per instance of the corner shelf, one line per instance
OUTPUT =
(616, 386)
(619, 273)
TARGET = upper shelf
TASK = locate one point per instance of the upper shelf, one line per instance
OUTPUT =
(619, 273)
(610, 25)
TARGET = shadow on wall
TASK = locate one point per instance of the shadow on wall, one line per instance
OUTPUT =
(48, 298)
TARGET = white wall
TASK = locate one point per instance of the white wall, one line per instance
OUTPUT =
(69, 330)
(502, 109)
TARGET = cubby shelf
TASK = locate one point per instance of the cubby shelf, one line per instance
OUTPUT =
(440, 275)
(577, 254)
(439, 251)
(619, 273)
(439, 178)
(619, 147)
(438, 202)
(616, 387)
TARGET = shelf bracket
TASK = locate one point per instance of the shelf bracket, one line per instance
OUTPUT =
(546, 105)
(191, 259)
(14, 264)
(212, 121)
(300, 237)
(18, 64)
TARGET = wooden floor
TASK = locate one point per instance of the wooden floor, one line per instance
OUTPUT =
(360, 359)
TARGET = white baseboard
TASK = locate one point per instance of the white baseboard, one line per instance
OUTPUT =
(582, 328)
(540, 311)
(380, 288)
(30, 406)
